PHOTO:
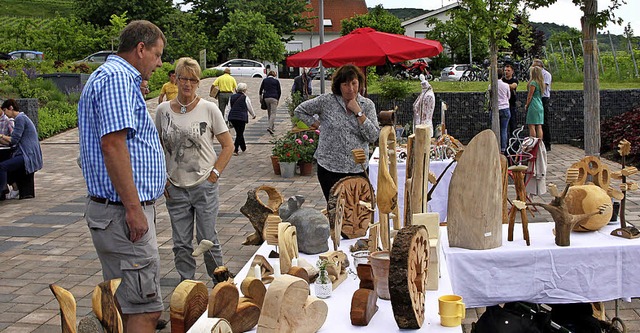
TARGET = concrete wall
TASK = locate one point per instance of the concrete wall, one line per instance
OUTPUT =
(467, 116)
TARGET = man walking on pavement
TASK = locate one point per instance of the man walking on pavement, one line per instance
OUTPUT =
(124, 169)
(546, 94)
(227, 86)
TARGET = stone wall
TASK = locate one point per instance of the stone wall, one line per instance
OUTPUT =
(467, 114)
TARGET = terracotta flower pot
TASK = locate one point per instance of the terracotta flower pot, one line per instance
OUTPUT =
(306, 168)
(276, 164)
(380, 261)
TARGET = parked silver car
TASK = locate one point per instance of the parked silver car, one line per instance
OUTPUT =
(244, 67)
(98, 58)
(453, 72)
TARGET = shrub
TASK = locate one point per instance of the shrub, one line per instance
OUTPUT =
(624, 126)
(393, 89)
(56, 117)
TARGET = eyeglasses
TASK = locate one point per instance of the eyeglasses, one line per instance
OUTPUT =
(185, 80)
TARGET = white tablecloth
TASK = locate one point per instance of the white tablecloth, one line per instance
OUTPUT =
(595, 267)
(338, 318)
(440, 197)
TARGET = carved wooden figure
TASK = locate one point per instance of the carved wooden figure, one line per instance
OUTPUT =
(564, 220)
(374, 232)
(288, 244)
(356, 217)
(387, 195)
(420, 171)
(265, 268)
(224, 302)
(518, 172)
(336, 267)
(270, 231)
(257, 211)
(363, 302)
(408, 276)
(188, 303)
(211, 325)
(474, 214)
(289, 308)
(105, 317)
(253, 290)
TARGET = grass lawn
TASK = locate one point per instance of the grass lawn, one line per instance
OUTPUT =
(438, 86)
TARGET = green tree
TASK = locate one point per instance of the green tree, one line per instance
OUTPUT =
(285, 15)
(99, 11)
(248, 35)
(378, 18)
(69, 38)
(455, 34)
(185, 36)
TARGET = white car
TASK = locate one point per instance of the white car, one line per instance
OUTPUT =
(453, 72)
(244, 67)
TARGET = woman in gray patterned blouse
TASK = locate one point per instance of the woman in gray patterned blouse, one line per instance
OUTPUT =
(347, 121)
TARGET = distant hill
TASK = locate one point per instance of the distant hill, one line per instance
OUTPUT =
(36, 8)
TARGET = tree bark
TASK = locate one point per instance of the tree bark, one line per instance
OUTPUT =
(493, 77)
(591, 80)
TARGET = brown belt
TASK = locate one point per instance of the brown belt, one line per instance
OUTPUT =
(118, 203)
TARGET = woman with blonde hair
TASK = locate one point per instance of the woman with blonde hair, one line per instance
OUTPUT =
(187, 126)
(534, 108)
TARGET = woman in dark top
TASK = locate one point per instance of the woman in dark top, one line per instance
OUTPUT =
(239, 109)
(27, 157)
(270, 91)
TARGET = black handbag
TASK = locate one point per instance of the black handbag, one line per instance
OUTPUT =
(497, 319)
(263, 104)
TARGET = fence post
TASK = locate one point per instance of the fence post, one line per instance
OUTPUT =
(564, 59)
(613, 50)
(633, 57)
(575, 62)
(600, 60)
(554, 57)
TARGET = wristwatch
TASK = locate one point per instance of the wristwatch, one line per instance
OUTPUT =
(360, 114)
(216, 172)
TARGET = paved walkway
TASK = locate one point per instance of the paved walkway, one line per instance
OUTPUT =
(45, 240)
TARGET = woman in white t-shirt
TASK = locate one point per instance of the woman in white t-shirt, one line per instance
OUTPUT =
(187, 126)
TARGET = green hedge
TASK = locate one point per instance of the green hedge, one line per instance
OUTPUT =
(56, 117)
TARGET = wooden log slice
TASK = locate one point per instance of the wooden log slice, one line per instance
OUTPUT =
(408, 276)
(67, 308)
(356, 218)
(257, 211)
(223, 301)
(105, 306)
(474, 213)
(211, 325)
(188, 303)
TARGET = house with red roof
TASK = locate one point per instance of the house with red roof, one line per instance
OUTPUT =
(334, 12)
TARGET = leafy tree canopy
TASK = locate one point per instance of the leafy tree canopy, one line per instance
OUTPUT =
(248, 35)
(378, 18)
(285, 15)
(99, 11)
(454, 33)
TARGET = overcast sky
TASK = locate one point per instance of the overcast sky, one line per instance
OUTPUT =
(563, 12)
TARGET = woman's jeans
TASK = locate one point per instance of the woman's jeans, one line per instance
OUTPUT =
(13, 164)
(505, 114)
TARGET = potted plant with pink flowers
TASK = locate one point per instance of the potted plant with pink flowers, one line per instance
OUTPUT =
(307, 144)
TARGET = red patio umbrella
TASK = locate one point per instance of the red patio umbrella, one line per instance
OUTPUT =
(366, 47)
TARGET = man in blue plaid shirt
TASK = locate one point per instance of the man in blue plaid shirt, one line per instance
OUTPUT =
(124, 168)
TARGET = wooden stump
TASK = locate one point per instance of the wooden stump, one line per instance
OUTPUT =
(188, 303)
(474, 214)
(257, 211)
(363, 302)
(105, 306)
(67, 308)
(408, 276)
(224, 302)
(289, 308)
(420, 170)
(288, 243)
(356, 217)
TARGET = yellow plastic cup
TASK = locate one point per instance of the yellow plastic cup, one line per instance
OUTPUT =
(451, 310)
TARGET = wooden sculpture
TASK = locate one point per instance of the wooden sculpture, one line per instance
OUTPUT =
(270, 231)
(224, 302)
(387, 194)
(363, 302)
(505, 185)
(299, 272)
(288, 244)
(374, 231)
(211, 325)
(253, 290)
(337, 263)
(356, 217)
(289, 308)
(626, 186)
(257, 211)
(558, 208)
(474, 214)
(408, 276)
(407, 181)
(419, 180)
(431, 221)
(518, 172)
(360, 158)
(105, 317)
(265, 268)
(336, 231)
(188, 303)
